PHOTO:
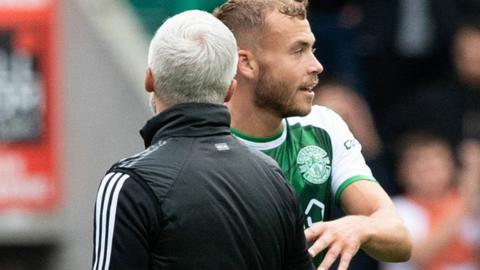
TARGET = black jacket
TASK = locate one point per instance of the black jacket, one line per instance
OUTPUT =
(197, 198)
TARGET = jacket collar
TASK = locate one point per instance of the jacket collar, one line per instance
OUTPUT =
(187, 120)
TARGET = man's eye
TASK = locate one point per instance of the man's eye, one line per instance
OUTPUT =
(300, 51)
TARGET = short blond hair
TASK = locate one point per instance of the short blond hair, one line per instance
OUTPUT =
(248, 17)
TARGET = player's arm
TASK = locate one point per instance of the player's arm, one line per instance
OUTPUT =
(372, 224)
(123, 221)
(382, 231)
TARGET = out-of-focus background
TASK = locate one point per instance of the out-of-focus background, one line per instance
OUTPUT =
(404, 74)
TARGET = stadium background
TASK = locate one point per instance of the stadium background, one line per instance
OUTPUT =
(90, 56)
(97, 105)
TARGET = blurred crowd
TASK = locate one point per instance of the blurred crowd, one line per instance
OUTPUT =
(405, 76)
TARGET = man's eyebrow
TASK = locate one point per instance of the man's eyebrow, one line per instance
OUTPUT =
(303, 44)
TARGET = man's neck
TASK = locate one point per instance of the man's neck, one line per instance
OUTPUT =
(253, 121)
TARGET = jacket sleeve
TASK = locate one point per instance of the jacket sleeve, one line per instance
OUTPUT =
(125, 224)
(297, 257)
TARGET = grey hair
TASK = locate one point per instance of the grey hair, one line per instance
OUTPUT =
(193, 57)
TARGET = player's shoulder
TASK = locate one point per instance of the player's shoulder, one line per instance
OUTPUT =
(261, 157)
(319, 116)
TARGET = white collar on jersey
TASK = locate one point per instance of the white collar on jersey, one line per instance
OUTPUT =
(262, 146)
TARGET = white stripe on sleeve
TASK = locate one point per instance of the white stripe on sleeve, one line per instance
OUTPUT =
(106, 204)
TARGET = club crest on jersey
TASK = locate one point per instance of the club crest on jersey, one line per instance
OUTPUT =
(314, 164)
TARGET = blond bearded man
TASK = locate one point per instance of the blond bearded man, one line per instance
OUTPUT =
(272, 111)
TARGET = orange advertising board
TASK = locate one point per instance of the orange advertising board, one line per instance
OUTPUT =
(30, 140)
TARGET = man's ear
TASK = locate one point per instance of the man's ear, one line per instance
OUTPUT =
(247, 65)
(231, 90)
(149, 80)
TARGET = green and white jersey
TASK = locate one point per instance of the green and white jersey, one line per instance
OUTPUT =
(320, 157)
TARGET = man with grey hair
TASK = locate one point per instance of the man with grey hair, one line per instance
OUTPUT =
(196, 197)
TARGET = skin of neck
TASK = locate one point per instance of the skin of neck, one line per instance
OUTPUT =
(249, 119)
(159, 105)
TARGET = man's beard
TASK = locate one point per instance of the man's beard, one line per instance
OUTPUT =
(276, 95)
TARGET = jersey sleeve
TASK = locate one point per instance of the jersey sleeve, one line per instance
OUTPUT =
(124, 224)
(348, 163)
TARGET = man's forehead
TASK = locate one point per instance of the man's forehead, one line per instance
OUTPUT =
(280, 24)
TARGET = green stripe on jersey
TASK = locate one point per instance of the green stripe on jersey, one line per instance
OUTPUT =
(349, 181)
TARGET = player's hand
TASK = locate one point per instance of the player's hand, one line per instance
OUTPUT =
(341, 238)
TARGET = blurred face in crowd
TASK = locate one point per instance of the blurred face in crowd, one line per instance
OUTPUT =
(467, 56)
(427, 170)
(287, 70)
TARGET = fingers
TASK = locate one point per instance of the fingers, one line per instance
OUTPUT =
(337, 238)
(319, 245)
(345, 260)
(314, 231)
(332, 255)
(330, 258)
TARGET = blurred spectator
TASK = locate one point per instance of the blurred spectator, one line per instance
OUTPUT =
(406, 42)
(334, 24)
(470, 159)
(466, 57)
(440, 202)
(341, 98)
(451, 105)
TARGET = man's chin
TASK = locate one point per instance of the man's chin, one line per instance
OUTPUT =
(306, 111)
(299, 111)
